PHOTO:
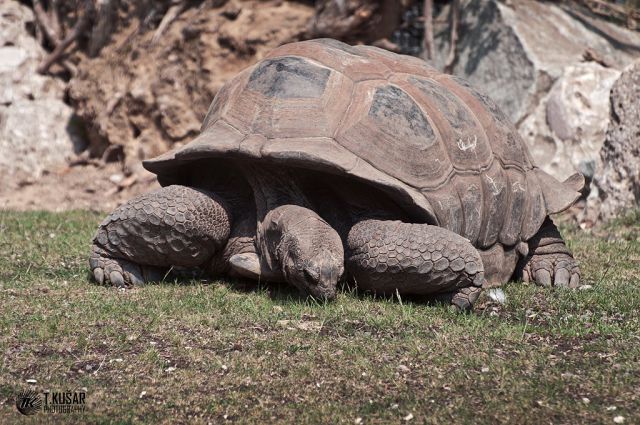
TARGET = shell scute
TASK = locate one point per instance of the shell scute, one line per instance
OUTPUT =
(382, 114)
(289, 78)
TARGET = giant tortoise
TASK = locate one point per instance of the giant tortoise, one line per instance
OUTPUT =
(325, 161)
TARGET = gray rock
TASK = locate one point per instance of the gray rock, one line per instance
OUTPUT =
(37, 131)
(528, 56)
(34, 135)
(567, 129)
(617, 182)
(516, 51)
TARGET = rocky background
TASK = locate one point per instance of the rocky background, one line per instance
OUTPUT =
(89, 88)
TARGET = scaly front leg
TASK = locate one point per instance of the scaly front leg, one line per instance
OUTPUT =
(172, 226)
(415, 259)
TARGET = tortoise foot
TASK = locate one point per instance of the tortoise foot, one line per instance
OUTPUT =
(121, 273)
(552, 270)
(549, 262)
(174, 227)
(461, 300)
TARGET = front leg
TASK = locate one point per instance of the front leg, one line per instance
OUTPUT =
(415, 259)
(172, 226)
(549, 262)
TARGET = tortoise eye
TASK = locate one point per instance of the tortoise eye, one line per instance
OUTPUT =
(311, 276)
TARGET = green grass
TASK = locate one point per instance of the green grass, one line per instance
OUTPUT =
(261, 354)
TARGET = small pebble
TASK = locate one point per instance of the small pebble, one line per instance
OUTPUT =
(116, 178)
(142, 394)
(484, 369)
(408, 417)
(585, 287)
(619, 419)
(585, 400)
(358, 421)
(31, 381)
(404, 369)
(611, 408)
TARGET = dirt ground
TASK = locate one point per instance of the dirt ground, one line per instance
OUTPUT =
(87, 187)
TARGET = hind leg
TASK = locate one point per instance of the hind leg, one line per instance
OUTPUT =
(549, 262)
(414, 259)
(172, 226)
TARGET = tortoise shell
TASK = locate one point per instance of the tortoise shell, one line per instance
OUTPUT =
(440, 148)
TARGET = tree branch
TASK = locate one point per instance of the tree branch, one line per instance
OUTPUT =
(174, 11)
(427, 42)
(54, 18)
(454, 19)
(42, 19)
(78, 29)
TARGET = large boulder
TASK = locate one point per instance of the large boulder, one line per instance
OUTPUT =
(616, 187)
(529, 56)
(37, 129)
(567, 129)
(516, 50)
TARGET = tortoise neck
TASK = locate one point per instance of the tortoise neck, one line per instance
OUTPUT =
(273, 187)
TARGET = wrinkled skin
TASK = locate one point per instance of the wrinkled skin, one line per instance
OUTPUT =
(305, 249)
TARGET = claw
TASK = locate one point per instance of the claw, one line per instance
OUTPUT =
(562, 277)
(135, 279)
(575, 281)
(98, 274)
(134, 274)
(543, 277)
(465, 298)
(116, 279)
(461, 304)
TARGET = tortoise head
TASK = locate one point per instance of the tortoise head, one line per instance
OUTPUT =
(310, 252)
